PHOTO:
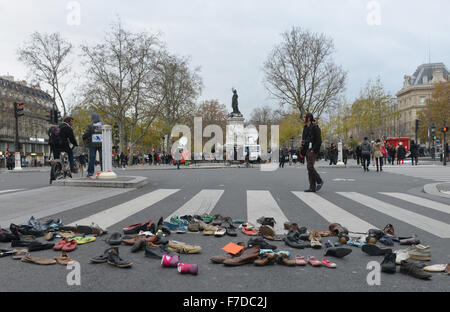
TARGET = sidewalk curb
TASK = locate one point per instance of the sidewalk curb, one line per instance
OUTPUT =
(433, 190)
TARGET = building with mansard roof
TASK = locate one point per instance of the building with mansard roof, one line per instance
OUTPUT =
(417, 89)
(33, 125)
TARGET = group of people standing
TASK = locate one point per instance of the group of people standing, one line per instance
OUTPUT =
(379, 152)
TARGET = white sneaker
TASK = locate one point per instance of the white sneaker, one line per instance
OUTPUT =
(401, 255)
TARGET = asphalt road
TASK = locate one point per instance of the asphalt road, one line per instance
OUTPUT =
(238, 185)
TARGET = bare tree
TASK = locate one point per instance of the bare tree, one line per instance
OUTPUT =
(300, 72)
(121, 75)
(45, 55)
(177, 90)
(262, 116)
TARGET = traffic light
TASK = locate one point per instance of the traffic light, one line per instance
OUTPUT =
(417, 123)
(56, 116)
(19, 109)
(444, 129)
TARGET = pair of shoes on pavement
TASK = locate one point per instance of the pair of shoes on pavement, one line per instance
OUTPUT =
(269, 257)
(111, 256)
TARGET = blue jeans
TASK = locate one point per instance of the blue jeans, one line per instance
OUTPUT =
(92, 153)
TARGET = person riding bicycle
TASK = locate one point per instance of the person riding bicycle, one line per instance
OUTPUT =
(65, 137)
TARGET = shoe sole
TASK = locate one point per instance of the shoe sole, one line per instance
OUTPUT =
(120, 265)
(373, 250)
(420, 258)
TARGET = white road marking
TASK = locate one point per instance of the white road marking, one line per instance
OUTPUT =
(333, 213)
(203, 202)
(114, 215)
(420, 201)
(262, 204)
(10, 191)
(427, 224)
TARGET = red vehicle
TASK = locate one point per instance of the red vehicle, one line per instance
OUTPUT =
(395, 142)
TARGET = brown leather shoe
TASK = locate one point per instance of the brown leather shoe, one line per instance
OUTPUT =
(42, 261)
(248, 255)
(222, 258)
(314, 238)
(325, 233)
(266, 230)
(266, 259)
(336, 228)
(133, 241)
(283, 259)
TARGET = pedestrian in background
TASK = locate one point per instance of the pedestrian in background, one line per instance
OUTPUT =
(92, 139)
(414, 149)
(401, 154)
(378, 155)
(358, 154)
(366, 151)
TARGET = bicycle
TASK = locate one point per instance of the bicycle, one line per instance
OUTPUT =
(60, 168)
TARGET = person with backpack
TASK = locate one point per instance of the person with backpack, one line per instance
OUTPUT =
(92, 138)
(366, 151)
(60, 138)
(401, 154)
(311, 142)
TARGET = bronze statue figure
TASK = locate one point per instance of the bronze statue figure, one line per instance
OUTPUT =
(236, 112)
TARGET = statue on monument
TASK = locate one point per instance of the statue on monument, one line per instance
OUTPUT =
(234, 104)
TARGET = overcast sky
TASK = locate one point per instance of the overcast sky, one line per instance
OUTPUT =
(231, 39)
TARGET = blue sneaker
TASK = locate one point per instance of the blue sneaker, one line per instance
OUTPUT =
(170, 225)
(319, 186)
(182, 229)
(355, 243)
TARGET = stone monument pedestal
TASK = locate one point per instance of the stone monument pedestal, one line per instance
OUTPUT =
(235, 138)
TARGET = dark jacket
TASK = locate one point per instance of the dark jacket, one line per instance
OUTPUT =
(401, 152)
(87, 137)
(414, 150)
(311, 134)
(66, 132)
(366, 148)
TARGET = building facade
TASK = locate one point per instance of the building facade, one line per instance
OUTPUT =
(417, 90)
(33, 125)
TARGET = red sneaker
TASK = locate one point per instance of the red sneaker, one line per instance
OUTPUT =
(328, 263)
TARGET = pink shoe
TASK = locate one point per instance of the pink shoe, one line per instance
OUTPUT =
(169, 262)
(188, 268)
(328, 263)
(314, 262)
(300, 260)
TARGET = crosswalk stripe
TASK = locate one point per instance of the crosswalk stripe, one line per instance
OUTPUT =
(420, 201)
(10, 191)
(427, 224)
(114, 215)
(261, 203)
(333, 213)
(203, 202)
